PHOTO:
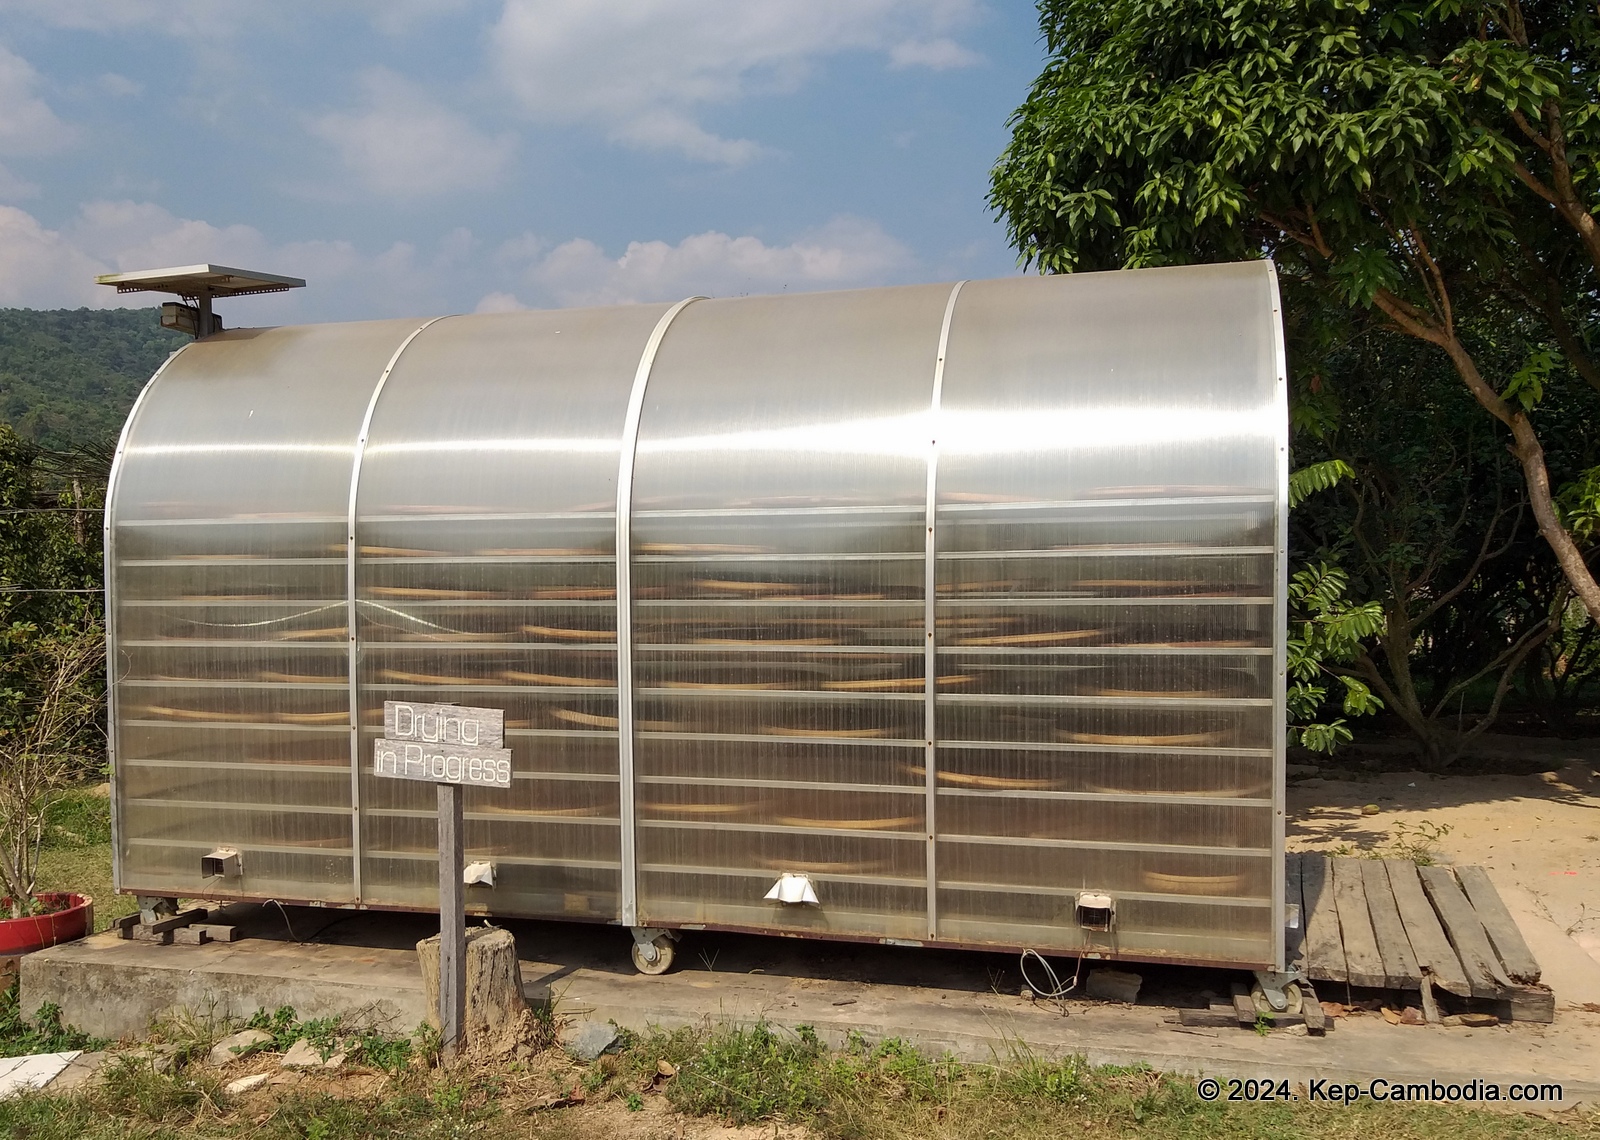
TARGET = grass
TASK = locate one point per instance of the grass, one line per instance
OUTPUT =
(753, 1075)
(45, 1034)
(77, 853)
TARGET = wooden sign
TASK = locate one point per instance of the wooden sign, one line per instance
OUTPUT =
(443, 744)
(444, 724)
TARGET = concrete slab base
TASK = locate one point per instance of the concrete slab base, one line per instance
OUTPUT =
(362, 966)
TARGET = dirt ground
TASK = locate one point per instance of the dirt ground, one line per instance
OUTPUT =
(1538, 835)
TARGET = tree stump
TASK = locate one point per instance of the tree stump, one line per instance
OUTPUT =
(497, 1018)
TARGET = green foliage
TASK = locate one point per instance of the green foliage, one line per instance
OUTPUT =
(69, 376)
(759, 1073)
(1317, 477)
(1579, 504)
(1526, 386)
(45, 1034)
(1326, 630)
(1167, 131)
(328, 1035)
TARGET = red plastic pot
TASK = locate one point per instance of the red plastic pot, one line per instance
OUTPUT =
(35, 932)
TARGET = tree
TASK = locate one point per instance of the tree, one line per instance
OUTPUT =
(1432, 161)
(1430, 522)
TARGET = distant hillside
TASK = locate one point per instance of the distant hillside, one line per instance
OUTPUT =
(69, 376)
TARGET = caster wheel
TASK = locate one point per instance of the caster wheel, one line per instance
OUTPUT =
(663, 957)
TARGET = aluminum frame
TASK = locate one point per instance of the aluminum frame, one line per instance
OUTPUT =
(352, 553)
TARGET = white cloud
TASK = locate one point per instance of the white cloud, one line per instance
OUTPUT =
(938, 55)
(13, 189)
(38, 267)
(27, 124)
(401, 144)
(845, 252)
(499, 303)
(641, 69)
(119, 86)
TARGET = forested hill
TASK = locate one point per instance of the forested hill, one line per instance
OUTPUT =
(69, 376)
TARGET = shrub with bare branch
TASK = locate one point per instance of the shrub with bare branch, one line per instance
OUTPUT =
(42, 742)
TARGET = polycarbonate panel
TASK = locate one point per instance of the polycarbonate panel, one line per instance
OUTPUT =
(1108, 500)
(227, 575)
(778, 540)
(1108, 633)
(486, 575)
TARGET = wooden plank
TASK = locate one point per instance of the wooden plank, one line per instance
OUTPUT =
(1294, 937)
(1311, 1008)
(1399, 963)
(1324, 950)
(1427, 937)
(1466, 933)
(1536, 1004)
(1244, 1010)
(1519, 962)
(1430, 1006)
(187, 918)
(1362, 960)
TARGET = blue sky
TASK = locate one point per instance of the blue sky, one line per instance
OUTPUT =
(412, 157)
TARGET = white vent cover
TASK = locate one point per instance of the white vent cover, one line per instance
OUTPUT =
(794, 889)
(474, 873)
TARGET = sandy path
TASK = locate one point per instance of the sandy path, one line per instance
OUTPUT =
(1538, 835)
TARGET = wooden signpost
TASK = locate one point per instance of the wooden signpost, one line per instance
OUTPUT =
(451, 746)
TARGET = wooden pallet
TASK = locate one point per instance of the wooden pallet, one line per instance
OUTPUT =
(1389, 924)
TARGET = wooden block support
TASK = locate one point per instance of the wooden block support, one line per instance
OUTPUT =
(218, 932)
(124, 926)
(1399, 963)
(190, 936)
(1466, 933)
(1536, 1004)
(1324, 951)
(1428, 942)
(1316, 1019)
(1363, 963)
(1520, 964)
(187, 918)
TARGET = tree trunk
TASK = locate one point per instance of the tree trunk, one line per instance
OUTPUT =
(1530, 454)
(497, 1018)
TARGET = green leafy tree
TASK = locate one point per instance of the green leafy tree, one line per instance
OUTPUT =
(1431, 160)
(1431, 524)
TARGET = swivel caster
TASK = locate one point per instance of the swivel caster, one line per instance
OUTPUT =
(653, 950)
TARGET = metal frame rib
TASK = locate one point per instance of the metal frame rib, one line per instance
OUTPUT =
(353, 644)
(108, 545)
(627, 813)
(930, 645)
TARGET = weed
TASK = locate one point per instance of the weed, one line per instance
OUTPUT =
(752, 1074)
(1418, 842)
(1263, 1025)
(135, 1086)
(634, 1101)
(1064, 1081)
(45, 1034)
(1413, 842)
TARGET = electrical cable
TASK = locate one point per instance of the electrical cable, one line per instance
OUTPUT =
(1057, 991)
